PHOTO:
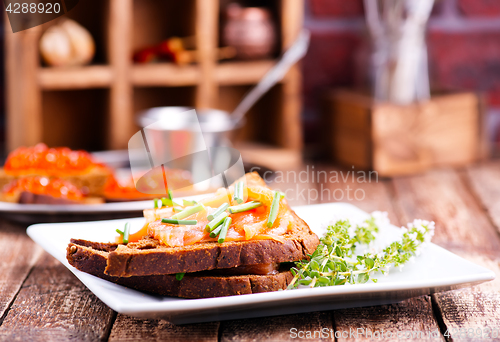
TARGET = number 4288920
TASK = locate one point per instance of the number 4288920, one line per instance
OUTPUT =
(26, 7)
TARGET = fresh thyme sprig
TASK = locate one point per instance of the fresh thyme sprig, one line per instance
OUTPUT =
(334, 262)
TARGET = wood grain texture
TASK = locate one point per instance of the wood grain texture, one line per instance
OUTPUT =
(19, 254)
(477, 307)
(484, 180)
(363, 189)
(370, 193)
(413, 316)
(278, 328)
(121, 121)
(53, 305)
(132, 329)
(403, 139)
(463, 227)
(24, 103)
(206, 26)
(441, 196)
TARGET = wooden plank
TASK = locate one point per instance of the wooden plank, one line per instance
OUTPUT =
(278, 328)
(19, 254)
(289, 132)
(366, 191)
(165, 74)
(361, 188)
(476, 308)
(207, 28)
(463, 227)
(24, 104)
(54, 305)
(94, 76)
(484, 181)
(132, 329)
(239, 73)
(292, 18)
(441, 196)
(385, 322)
(121, 117)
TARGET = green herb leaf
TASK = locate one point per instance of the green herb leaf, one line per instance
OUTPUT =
(275, 205)
(244, 207)
(180, 222)
(335, 262)
(179, 276)
(218, 211)
(188, 211)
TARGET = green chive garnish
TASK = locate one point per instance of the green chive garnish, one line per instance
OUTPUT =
(274, 209)
(219, 211)
(216, 222)
(170, 196)
(119, 231)
(189, 211)
(177, 209)
(223, 231)
(188, 203)
(165, 202)
(216, 231)
(183, 222)
(179, 276)
(238, 192)
(156, 202)
(282, 194)
(244, 207)
(126, 232)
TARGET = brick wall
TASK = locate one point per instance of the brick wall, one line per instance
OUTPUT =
(463, 43)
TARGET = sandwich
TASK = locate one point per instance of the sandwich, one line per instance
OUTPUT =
(75, 167)
(240, 240)
(43, 175)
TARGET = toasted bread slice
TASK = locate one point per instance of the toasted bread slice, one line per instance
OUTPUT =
(94, 180)
(149, 257)
(91, 257)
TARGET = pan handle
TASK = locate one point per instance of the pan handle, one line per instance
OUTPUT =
(274, 75)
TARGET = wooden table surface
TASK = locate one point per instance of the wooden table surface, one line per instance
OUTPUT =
(40, 300)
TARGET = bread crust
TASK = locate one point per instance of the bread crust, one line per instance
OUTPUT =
(91, 257)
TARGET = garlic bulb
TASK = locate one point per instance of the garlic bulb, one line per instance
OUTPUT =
(67, 43)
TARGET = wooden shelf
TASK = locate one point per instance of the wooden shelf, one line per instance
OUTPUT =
(94, 76)
(165, 74)
(113, 89)
(236, 73)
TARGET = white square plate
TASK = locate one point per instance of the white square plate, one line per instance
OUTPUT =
(434, 270)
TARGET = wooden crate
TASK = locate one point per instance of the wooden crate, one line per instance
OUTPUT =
(397, 140)
(61, 105)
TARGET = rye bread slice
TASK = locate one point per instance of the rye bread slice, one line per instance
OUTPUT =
(149, 257)
(91, 257)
